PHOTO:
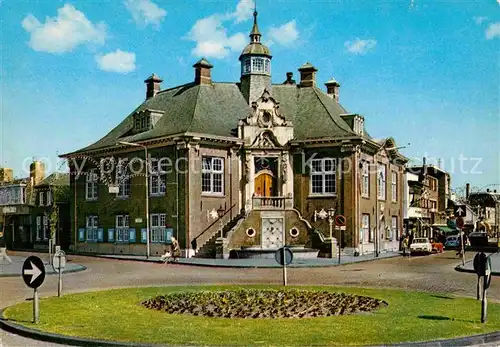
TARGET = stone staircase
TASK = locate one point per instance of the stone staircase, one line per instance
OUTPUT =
(207, 249)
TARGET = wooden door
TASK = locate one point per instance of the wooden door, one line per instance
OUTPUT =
(263, 185)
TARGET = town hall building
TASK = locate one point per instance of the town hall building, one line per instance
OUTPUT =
(238, 170)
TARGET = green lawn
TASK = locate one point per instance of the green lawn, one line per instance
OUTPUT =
(117, 315)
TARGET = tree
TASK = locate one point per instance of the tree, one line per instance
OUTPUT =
(59, 193)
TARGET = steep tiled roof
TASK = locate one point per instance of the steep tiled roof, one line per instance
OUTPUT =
(55, 179)
(216, 109)
(312, 112)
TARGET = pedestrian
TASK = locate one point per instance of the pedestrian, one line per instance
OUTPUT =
(176, 251)
(166, 256)
(3, 248)
(405, 245)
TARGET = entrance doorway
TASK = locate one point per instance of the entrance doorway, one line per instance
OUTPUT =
(264, 184)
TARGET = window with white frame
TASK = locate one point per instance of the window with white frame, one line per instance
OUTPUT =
(258, 65)
(394, 227)
(122, 228)
(49, 198)
(91, 185)
(45, 227)
(92, 223)
(123, 179)
(323, 176)
(381, 177)
(158, 177)
(394, 186)
(365, 227)
(158, 225)
(365, 188)
(247, 65)
(212, 175)
(38, 227)
(41, 198)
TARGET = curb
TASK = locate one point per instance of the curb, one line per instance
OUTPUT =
(6, 325)
(459, 268)
(241, 266)
(82, 268)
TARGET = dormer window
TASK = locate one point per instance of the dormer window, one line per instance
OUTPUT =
(146, 120)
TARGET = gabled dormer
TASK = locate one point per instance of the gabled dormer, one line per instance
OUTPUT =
(146, 120)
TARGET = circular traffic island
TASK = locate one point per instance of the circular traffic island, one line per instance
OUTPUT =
(263, 303)
(253, 315)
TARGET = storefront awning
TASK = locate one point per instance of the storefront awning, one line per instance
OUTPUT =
(445, 229)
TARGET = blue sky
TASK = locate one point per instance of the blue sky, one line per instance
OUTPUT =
(424, 72)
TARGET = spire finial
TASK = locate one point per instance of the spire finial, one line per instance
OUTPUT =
(255, 34)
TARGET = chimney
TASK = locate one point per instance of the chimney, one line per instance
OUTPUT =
(202, 73)
(6, 175)
(37, 172)
(307, 75)
(467, 191)
(152, 85)
(289, 79)
(332, 89)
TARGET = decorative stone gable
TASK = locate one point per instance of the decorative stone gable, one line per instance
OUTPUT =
(265, 126)
(266, 112)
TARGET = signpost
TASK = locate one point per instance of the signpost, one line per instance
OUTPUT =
(340, 223)
(284, 257)
(58, 264)
(460, 211)
(33, 273)
(482, 267)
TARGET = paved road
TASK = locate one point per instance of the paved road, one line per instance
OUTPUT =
(431, 273)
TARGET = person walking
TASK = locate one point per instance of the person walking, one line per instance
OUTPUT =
(176, 251)
(3, 249)
(405, 245)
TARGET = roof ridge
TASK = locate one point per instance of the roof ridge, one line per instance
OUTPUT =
(315, 89)
(194, 110)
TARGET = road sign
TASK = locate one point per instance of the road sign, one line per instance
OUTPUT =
(339, 220)
(33, 272)
(59, 261)
(460, 211)
(113, 189)
(460, 222)
(288, 258)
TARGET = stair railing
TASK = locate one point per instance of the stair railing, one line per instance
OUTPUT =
(194, 242)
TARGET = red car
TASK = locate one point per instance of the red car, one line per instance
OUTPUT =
(437, 247)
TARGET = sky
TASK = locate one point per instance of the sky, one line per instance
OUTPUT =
(423, 72)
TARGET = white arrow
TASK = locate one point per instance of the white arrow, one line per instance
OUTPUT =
(34, 272)
(459, 211)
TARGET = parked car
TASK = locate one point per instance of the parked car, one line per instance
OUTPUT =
(421, 245)
(452, 241)
(437, 247)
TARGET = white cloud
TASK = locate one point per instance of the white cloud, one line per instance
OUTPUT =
(359, 46)
(63, 33)
(244, 11)
(118, 61)
(493, 31)
(285, 34)
(145, 12)
(212, 40)
(479, 19)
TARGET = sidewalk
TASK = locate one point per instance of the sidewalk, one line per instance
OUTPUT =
(15, 269)
(260, 263)
(495, 265)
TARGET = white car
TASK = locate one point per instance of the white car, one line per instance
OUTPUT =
(421, 245)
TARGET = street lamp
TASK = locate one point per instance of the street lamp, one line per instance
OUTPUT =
(331, 217)
(377, 237)
(220, 213)
(147, 188)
